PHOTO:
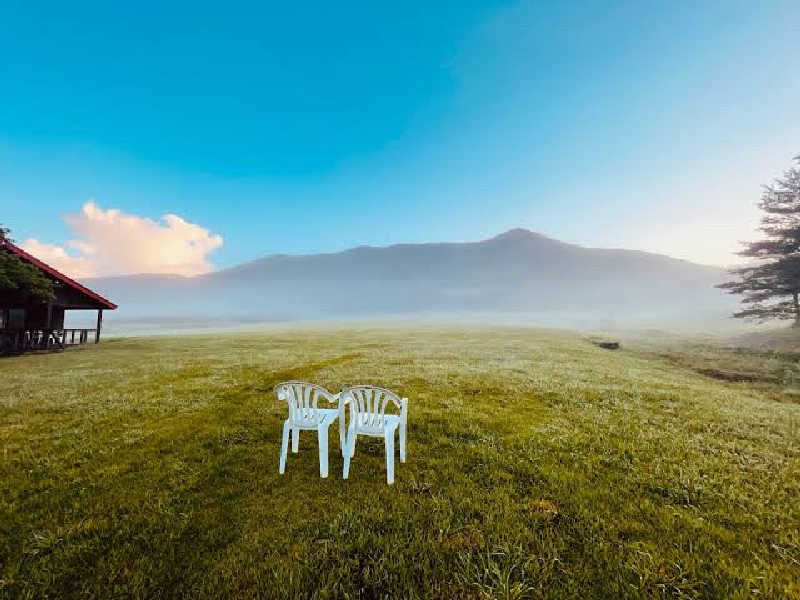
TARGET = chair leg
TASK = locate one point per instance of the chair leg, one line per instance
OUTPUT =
(402, 443)
(388, 438)
(342, 438)
(353, 447)
(348, 454)
(295, 441)
(323, 450)
(284, 446)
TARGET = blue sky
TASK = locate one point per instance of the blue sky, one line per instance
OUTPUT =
(318, 127)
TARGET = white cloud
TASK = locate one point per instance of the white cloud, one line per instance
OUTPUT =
(110, 242)
(73, 266)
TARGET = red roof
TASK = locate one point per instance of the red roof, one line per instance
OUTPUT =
(57, 274)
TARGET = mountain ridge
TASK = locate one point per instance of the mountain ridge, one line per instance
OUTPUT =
(516, 272)
(516, 233)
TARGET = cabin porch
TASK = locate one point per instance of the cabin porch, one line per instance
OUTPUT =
(24, 340)
(23, 330)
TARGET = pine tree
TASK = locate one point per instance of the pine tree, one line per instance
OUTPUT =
(771, 284)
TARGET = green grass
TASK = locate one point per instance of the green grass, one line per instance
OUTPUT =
(538, 466)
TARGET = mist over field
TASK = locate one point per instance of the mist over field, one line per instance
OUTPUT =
(516, 277)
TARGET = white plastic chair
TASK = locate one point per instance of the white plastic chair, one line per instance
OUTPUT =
(304, 413)
(368, 416)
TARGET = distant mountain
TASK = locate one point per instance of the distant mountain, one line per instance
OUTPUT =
(517, 273)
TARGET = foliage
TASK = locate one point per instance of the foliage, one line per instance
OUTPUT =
(771, 287)
(539, 466)
(16, 275)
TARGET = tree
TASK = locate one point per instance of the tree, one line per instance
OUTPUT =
(18, 276)
(771, 284)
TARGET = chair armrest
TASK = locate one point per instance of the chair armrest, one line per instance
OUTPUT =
(337, 398)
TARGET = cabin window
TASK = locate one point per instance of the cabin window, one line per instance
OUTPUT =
(3, 319)
(16, 318)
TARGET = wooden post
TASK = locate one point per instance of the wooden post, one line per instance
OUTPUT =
(99, 325)
(48, 326)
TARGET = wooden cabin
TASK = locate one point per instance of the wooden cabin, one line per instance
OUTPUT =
(27, 324)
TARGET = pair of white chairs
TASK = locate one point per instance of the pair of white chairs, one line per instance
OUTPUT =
(368, 416)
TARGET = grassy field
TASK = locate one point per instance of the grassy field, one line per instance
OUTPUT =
(539, 465)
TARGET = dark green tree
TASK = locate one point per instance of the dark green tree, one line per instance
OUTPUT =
(771, 283)
(17, 276)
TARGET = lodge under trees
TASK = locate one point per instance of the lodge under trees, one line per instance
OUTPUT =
(33, 300)
(770, 285)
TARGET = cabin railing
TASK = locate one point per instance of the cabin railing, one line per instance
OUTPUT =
(70, 337)
(23, 340)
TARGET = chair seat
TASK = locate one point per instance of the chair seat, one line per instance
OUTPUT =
(390, 423)
(328, 416)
